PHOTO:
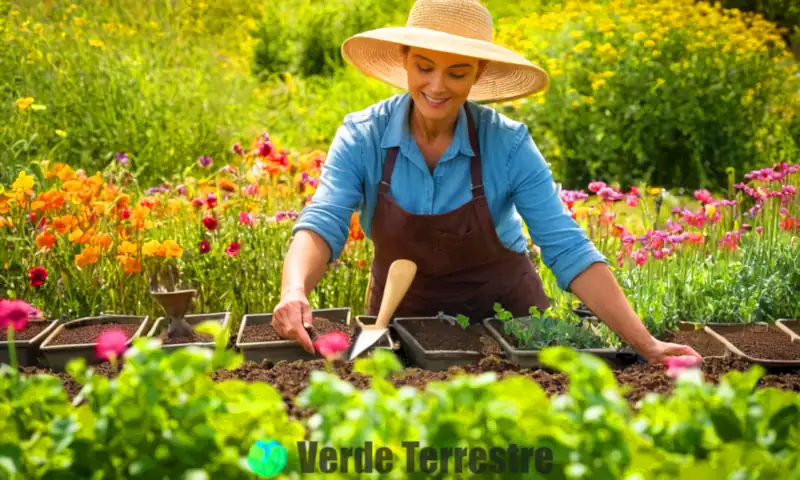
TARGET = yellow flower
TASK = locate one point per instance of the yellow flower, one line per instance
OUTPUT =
(61, 133)
(172, 249)
(72, 8)
(97, 43)
(598, 84)
(654, 190)
(126, 247)
(582, 46)
(24, 103)
(151, 248)
(23, 184)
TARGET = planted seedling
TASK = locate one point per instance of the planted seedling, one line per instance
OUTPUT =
(175, 302)
(459, 319)
(540, 330)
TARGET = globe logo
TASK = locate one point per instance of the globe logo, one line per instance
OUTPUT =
(266, 458)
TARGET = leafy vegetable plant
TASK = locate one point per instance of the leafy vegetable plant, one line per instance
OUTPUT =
(540, 330)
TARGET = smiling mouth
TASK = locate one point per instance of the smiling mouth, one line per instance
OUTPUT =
(436, 102)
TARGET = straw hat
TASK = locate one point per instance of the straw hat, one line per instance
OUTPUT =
(462, 27)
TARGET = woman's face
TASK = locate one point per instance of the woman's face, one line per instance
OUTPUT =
(439, 83)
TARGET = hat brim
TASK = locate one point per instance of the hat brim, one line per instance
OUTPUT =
(508, 75)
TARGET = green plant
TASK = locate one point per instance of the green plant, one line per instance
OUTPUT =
(541, 330)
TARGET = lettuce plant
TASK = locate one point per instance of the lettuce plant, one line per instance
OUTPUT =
(540, 330)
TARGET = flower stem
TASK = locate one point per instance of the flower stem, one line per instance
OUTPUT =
(12, 350)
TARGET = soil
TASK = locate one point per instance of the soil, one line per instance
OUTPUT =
(793, 326)
(292, 378)
(193, 338)
(435, 334)
(89, 333)
(30, 331)
(765, 342)
(702, 342)
(264, 332)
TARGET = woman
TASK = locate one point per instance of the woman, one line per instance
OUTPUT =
(447, 183)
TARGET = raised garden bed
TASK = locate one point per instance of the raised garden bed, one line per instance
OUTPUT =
(760, 343)
(581, 338)
(78, 338)
(26, 342)
(258, 340)
(695, 336)
(434, 343)
(160, 326)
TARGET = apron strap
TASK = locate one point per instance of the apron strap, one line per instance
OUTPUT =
(475, 170)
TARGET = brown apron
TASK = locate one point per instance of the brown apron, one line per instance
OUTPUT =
(462, 266)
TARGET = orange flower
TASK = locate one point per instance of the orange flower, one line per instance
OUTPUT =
(131, 264)
(99, 208)
(64, 224)
(45, 240)
(227, 185)
(49, 200)
(356, 233)
(171, 249)
(72, 186)
(88, 256)
(126, 247)
(5, 207)
(76, 235)
(102, 240)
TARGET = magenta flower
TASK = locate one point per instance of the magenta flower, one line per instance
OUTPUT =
(265, 148)
(181, 189)
(703, 196)
(122, 158)
(759, 229)
(332, 345)
(640, 256)
(205, 246)
(284, 215)
(571, 196)
(595, 187)
(677, 365)
(609, 194)
(111, 343)
(245, 218)
(237, 149)
(673, 227)
(233, 249)
(205, 161)
(211, 200)
(17, 313)
(631, 200)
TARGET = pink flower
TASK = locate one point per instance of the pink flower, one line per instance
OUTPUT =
(632, 200)
(595, 187)
(640, 256)
(759, 229)
(571, 196)
(245, 218)
(237, 149)
(211, 200)
(677, 365)
(609, 194)
(233, 249)
(16, 313)
(112, 342)
(674, 227)
(251, 190)
(332, 345)
(703, 196)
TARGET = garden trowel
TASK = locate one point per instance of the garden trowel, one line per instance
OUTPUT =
(401, 274)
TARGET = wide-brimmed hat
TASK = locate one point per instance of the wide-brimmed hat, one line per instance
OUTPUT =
(462, 27)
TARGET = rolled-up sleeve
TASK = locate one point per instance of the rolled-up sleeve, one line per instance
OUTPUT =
(566, 249)
(339, 193)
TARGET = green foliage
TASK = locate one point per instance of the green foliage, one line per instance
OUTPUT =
(541, 329)
(658, 92)
(304, 37)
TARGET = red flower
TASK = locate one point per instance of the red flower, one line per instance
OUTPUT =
(332, 345)
(112, 342)
(205, 246)
(211, 200)
(233, 249)
(125, 214)
(640, 256)
(16, 313)
(265, 149)
(37, 276)
(210, 223)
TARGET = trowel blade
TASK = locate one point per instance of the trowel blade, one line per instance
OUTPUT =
(366, 339)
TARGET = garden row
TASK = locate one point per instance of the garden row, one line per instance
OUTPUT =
(429, 343)
(195, 412)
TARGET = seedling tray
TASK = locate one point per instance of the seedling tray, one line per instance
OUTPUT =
(56, 357)
(433, 360)
(280, 350)
(719, 329)
(27, 350)
(691, 327)
(792, 327)
(530, 358)
(162, 324)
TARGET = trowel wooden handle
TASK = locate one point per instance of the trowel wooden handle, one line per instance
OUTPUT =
(401, 274)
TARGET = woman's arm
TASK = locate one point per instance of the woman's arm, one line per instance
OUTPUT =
(320, 233)
(567, 251)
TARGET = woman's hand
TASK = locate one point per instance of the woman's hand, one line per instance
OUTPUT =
(660, 351)
(291, 316)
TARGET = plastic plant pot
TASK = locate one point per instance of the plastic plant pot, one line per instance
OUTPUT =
(737, 347)
(160, 326)
(28, 350)
(433, 359)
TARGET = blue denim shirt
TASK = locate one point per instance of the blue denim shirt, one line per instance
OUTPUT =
(517, 182)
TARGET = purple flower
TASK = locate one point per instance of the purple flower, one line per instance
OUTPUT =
(181, 189)
(122, 158)
(205, 161)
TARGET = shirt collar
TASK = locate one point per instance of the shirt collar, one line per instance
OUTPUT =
(398, 133)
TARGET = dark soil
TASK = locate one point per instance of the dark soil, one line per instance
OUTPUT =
(193, 338)
(30, 331)
(793, 326)
(89, 333)
(702, 342)
(292, 378)
(434, 334)
(765, 342)
(264, 332)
